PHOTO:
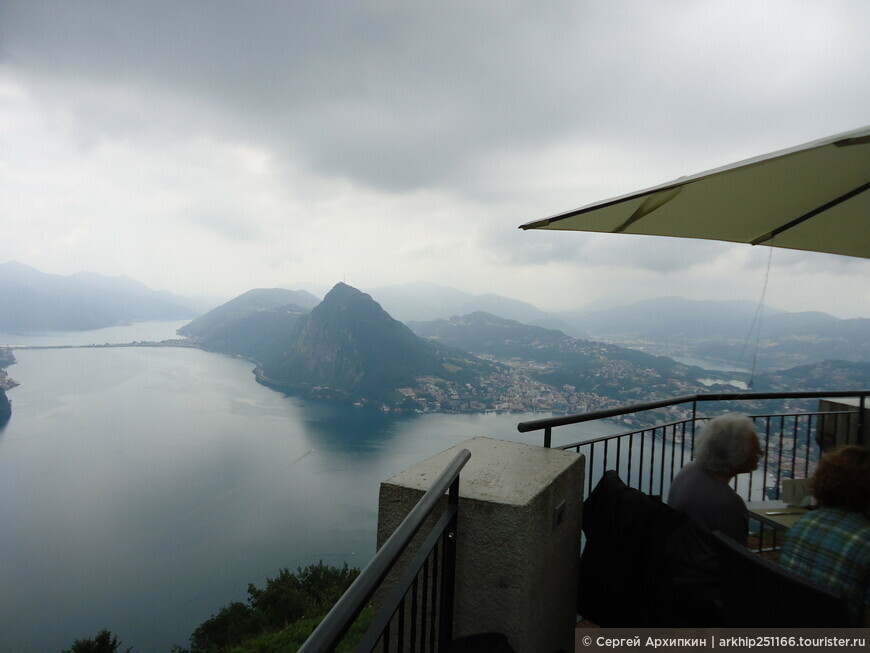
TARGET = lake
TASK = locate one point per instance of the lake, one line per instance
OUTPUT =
(142, 489)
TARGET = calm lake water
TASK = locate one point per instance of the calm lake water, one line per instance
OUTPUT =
(141, 489)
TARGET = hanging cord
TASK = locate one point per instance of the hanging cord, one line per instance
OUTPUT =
(756, 322)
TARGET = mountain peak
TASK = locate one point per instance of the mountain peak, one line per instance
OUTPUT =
(341, 289)
(343, 298)
(350, 344)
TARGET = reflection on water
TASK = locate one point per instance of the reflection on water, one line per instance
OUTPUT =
(742, 385)
(141, 489)
(351, 430)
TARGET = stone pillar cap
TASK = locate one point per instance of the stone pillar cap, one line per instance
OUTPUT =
(500, 471)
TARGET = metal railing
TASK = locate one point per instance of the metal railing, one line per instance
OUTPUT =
(649, 458)
(421, 602)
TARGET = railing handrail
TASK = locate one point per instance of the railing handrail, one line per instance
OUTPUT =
(577, 418)
(342, 615)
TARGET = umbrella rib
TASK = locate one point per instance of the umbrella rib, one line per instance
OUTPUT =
(806, 216)
(650, 204)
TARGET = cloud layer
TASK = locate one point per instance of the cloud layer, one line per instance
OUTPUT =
(211, 147)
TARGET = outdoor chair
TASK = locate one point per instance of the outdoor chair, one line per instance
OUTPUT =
(757, 593)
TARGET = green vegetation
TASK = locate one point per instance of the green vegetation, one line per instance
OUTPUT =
(104, 642)
(275, 619)
(5, 405)
(258, 324)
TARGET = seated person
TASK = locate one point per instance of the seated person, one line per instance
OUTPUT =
(831, 545)
(728, 446)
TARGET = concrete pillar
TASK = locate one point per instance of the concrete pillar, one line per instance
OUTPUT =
(518, 544)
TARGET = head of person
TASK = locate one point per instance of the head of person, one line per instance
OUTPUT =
(729, 446)
(842, 479)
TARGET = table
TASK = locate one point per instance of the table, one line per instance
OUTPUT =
(777, 514)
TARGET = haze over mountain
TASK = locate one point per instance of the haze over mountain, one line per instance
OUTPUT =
(592, 367)
(33, 300)
(257, 324)
(673, 326)
(421, 301)
(727, 332)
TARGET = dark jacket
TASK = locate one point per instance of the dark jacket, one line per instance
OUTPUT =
(644, 564)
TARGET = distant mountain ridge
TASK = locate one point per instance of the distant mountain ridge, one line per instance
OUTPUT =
(672, 326)
(422, 301)
(588, 366)
(31, 300)
(257, 324)
(348, 347)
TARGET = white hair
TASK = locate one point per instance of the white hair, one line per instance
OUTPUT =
(726, 444)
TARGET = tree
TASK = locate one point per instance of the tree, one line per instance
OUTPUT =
(285, 599)
(104, 642)
(233, 624)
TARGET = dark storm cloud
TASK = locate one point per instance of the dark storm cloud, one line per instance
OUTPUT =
(382, 93)
(397, 95)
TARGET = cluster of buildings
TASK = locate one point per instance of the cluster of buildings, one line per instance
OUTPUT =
(516, 389)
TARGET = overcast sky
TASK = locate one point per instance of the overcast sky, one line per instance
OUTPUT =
(216, 146)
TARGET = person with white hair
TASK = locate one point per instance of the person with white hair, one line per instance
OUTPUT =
(728, 446)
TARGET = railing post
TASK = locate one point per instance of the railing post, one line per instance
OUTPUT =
(548, 436)
(448, 572)
(860, 425)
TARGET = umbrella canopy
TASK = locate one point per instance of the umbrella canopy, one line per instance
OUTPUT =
(811, 197)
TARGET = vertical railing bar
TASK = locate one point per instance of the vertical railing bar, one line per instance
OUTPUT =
(400, 639)
(424, 611)
(436, 605)
(848, 419)
(768, 421)
(662, 466)
(859, 427)
(794, 445)
(548, 437)
(779, 459)
(682, 448)
(809, 447)
(652, 460)
(630, 451)
(591, 464)
(415, 587)
(640, 463)
(618, 456)
(694, 424)
(445, 637)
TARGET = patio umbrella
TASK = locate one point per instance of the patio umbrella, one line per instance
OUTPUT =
(810, 197)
